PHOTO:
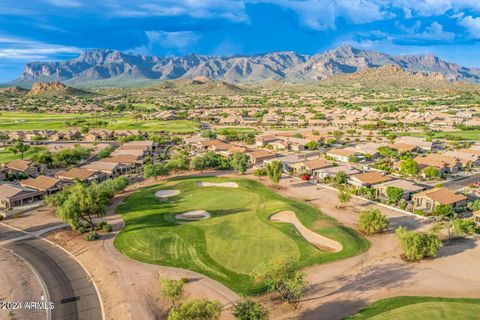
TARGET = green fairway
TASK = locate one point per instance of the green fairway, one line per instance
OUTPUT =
(36, 121)
(7, 156)
(449, 135)
(420, 308)
(238, 236)
(174, 126)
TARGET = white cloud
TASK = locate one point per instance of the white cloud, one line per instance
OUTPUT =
(65, 3)
(178, 40)
(24, 49)
(472, 25)
(232, 10)
(435, 32)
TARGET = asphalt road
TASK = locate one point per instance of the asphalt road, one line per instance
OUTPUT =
(462, 183)
(68, 285)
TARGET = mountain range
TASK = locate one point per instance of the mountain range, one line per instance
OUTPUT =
(105, 67)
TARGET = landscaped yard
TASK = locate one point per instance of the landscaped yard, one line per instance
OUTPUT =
(237, 238)
(420, 308)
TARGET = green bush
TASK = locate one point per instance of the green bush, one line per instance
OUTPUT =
(107, 228)
(418, 245)
(92, 236)
(82, 229)
(373, 221)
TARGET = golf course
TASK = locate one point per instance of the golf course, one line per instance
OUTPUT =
(233, 233)
(420, 308)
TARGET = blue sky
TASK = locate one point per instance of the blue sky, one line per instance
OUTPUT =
(50, 30)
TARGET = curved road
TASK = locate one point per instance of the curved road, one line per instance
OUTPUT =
(67, 283)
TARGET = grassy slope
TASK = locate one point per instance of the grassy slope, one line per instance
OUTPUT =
(238, 238)
(417, 308)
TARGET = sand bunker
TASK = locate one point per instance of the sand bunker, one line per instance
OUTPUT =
(220, 184)
(162, 194)
(193, 215)
(317, 240)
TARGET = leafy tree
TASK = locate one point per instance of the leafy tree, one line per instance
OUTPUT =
(19, 147)
(298, 135)
(83, 204)
(474, 205)
(373, 221)
(210, 134)
(338, 134)
(408, 167)
(155, 171)
(260, 172)
(216, 161)
(418, 245)
(197, 309)
(240, 162)
(70, 156)
(391, 137)
(172, 290)
(312, 145)
(248, 309)
(198, 163)
(105, 152)
(463, 227)
(274, 171)
(344, 197)
(394, 194)
(109, 188)
(431, 172)
(43, 157)
(443, 210)
(4, 138)
(387, 152)
(341, 178)
(353, 159)
(282, 275)
(178, 162)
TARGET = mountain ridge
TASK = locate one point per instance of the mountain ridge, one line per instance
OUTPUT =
(106, 66)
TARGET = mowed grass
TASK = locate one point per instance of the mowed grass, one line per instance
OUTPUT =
(420, 308)
(461, 135)
(7, 156)
(235, 240)
(173, 126)
(11, 121)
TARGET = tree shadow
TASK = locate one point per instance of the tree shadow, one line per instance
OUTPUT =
(409, 222)
(43, 226)
(456, 246)
(388, 276)
(332, 310)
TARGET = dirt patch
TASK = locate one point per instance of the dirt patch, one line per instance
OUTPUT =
(162, 194)
(314, 238)
(18, 283)
(220, 184)
(193, 215)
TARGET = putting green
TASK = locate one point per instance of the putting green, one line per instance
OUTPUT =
(238, 236)
(420, 308)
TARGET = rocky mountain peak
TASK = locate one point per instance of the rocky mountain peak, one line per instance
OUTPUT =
(106, 64)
